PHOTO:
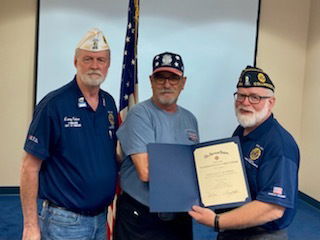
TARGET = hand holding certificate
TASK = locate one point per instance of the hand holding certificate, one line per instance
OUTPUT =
(181, 175)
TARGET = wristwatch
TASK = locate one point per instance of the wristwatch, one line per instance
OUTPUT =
(216, 223)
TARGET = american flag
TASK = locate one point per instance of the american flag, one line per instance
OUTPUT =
(129, 78)
(277, 190)
(128, 88)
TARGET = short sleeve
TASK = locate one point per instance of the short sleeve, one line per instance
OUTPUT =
(43, 132)
(278, 181)
(136, 132)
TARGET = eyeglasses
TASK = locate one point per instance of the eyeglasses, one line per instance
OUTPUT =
(253, 98)
(160, 79)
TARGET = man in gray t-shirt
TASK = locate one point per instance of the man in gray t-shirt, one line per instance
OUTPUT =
(156, 120)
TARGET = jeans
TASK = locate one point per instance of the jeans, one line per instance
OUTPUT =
(60, 224)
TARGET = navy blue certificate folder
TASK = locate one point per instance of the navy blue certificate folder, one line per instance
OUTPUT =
(174, 176)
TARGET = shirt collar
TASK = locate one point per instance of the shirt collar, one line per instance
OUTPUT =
(81, 100)
(260, 130)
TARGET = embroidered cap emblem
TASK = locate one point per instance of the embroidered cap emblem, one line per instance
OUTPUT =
(261, 77)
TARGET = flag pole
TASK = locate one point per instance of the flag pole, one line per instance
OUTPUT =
(128, 90)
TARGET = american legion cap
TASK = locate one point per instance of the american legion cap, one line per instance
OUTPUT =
(93, 41)
(254, 77)
(167, 61)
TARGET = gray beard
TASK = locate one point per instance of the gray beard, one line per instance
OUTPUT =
(251, 121)
(91, 82)
(167, 101)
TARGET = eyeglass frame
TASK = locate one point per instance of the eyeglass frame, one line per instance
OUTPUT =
(162, 80)
(259, 98)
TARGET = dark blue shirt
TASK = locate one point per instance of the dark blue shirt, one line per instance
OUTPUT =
(272, 161)
(77, 146)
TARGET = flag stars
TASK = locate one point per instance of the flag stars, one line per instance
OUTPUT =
(176, 64)
(130, 61)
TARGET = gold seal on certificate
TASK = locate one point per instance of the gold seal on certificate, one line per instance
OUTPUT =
(220, 174)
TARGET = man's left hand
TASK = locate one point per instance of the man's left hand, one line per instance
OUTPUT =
(203, 215)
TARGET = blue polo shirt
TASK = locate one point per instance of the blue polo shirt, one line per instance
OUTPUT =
(272, 161)
(77, 146)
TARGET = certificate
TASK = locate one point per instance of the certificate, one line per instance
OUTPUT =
(221, 177)
(209, 174)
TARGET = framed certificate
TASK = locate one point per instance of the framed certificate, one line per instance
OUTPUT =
(210, 174)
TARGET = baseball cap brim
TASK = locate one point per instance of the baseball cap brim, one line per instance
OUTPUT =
(168, 69)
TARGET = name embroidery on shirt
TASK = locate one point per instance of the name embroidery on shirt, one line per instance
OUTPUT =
(251, 162)
(72, 122)
(33, 139)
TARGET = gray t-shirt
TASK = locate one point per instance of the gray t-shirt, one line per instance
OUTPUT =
(147, 123)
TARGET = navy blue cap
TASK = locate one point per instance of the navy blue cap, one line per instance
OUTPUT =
(167, 61)
(254, 77)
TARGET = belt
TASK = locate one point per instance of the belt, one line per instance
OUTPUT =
(90, 213)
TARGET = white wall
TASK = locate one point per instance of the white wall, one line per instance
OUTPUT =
(310, 127)
(281, 53)
(215, 39)
(17, 51)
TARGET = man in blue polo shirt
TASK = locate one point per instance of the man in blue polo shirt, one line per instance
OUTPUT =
(70, 160)
(271, 160)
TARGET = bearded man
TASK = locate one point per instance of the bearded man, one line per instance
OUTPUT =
(157, 120)
(70, 160)
(271, 161)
